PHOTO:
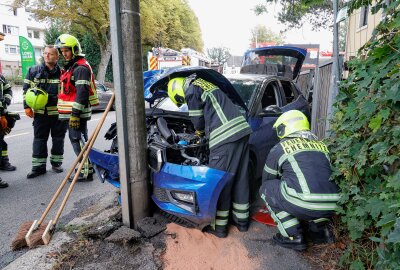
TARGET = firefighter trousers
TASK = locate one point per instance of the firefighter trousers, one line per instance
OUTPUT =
(234, 158)
(44, 126)
(4, 151)
(286, 215)
(78, 138)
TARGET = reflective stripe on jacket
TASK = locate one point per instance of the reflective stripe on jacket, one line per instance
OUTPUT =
(303, 166)
(47, 80)
(212, 111)
(78, 90)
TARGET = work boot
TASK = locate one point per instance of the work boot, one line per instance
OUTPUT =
(6, 166)
(241, 227)
(323, 236)
(57, 169)
(295, 242)
(220, 232)
(35, 173)
(3, 184)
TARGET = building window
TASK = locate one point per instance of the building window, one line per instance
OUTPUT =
(30, 33)
(364, 16)
(9, 29)
(36, 34)
(15, 11)
(12, 49)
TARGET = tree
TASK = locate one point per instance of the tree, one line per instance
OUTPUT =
(219, 54)
(295, 13)
(260, 34)
(169, 23)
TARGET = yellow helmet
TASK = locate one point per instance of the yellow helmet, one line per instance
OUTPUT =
(36, 98)
(69, 41)
(290, 122)
(175, 90)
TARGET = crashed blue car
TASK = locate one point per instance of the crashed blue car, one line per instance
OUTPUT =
(183, 186)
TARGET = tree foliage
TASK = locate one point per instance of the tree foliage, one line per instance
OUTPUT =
(261, 33)
(295, 13)
(365, 147)
(168, 23)
(219, 55)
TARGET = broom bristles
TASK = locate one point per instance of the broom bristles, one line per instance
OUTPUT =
(19, 239)
(36, 237)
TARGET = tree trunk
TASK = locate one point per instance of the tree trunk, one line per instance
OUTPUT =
(105, 58)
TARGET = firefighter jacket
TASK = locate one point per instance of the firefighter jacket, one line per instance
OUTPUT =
(5, 95)
(47, 80)
(78, 90)
(303, 166)
(211, 110)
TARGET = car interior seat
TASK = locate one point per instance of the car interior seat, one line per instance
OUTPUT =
(268, 97)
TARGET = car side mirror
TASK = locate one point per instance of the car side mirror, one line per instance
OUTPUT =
(271, 111)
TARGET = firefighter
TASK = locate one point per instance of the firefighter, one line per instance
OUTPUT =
(212, 112)
(77, 96)
(296, 184)
(41, 87)
(5, 100)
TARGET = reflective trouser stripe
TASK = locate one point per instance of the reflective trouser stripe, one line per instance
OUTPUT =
(36, 162)
(56, 158)
(4, 153)
(85, 169)
(241, 211)
(275, 218)
(221, 218)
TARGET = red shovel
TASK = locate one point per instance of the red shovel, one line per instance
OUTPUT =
(264, 217)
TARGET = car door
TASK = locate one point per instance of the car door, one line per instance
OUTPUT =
(293, 98)
(263, 137)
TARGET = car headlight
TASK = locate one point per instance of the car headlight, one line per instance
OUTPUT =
(187, 197)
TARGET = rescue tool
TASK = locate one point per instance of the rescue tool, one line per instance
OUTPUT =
(36, 233)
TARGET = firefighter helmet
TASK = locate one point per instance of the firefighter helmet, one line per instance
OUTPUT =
(36, 98)
(69, 41)
(176, 90)
(290, 122)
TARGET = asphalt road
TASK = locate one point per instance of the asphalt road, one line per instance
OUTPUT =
(25, 199)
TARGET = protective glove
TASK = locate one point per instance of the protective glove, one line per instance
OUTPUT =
(5, 131)
(199, 133)
(74, 122)
(29, 112)
(3, 122)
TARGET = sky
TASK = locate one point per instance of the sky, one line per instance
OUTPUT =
(228, 23)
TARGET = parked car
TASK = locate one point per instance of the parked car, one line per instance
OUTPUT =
(104, 93)
(183, 185)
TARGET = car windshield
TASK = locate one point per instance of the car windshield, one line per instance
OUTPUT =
(245, 88)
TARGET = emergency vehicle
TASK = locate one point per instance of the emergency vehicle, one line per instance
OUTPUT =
(162, 58)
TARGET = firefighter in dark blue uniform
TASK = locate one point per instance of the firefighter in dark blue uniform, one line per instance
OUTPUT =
(228, 132)
(45, 118)
(296, 184)
(5, 100)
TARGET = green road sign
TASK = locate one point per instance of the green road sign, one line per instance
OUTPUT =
(27, 55)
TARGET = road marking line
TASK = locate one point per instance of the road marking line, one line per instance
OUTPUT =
(10, 136)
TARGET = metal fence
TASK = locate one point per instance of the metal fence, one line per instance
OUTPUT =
(322, 99)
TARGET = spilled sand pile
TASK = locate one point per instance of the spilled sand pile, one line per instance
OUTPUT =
(193, 249)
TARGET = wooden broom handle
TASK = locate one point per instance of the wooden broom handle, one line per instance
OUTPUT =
(90, 145)
(78, 158)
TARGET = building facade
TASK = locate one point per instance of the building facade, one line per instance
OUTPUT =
(15, 22)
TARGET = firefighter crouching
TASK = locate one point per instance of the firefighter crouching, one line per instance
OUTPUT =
(296, 184)
(78, 94)
(228, 132)
(41, 87)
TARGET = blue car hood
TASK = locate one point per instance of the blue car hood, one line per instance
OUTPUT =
(157, 81)
(295, 52)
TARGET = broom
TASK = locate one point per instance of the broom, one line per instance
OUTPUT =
(30, 232)
(47, 234)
